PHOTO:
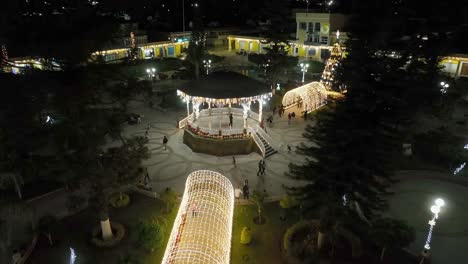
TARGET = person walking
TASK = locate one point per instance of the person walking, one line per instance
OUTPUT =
(234, 161)
(165, 140)
(230, 120)
(245, 191)
(147, 178)
(289, 119)
(263, 166)
(260, 165)
(274, 110)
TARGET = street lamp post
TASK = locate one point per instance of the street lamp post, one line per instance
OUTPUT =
(207, 64)
(183, 15)
(151, 73)
(304, 67)
(444, 88)
(435, 209)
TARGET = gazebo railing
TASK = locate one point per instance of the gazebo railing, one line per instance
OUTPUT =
(264, 135)
(257, 140)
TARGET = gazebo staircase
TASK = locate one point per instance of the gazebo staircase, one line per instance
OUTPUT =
(268, 149)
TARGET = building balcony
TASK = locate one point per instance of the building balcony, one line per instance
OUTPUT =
(312, 43)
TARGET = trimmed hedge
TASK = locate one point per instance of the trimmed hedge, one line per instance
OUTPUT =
(293, 238)
(118, 202)
(246, 236)
(118, 231)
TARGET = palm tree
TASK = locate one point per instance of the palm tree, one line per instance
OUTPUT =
(196, 50)
(390, 234)
(258, 198)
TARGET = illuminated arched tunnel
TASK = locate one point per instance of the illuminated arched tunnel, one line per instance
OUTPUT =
(203, 227)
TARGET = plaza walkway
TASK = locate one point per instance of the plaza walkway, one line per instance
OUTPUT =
(169, 168)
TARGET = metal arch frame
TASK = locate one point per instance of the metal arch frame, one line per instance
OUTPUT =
(207, 204)
(313, 95)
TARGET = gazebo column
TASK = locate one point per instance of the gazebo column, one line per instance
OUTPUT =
(188, 107)
(196, 110)
(260, 110)
(209, 108)
(246, 107)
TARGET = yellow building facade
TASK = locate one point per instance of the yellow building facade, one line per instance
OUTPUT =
(163, 49)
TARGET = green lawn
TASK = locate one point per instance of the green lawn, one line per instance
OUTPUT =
(266, 238)
(74, 232)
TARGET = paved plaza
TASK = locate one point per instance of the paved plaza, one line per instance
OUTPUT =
(414, 195)
(411, 201)
(170, 168)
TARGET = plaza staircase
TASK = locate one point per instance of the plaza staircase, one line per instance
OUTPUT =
(268, 149)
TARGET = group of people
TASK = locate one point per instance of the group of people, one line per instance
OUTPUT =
(280, 110)
(290, 116)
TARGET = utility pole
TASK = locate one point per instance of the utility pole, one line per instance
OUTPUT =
(183, 15)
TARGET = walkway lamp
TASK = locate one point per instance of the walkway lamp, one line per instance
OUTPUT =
(444, 88)
(207, 64)
(304, 67)
(151, 73)
(435, 209)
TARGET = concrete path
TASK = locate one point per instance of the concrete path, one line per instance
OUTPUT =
(414, 195)
(170, 168)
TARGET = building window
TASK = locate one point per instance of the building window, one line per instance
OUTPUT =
(303, 26)
(311, 26)
(316, 38)
(317, 27)
(297, 50)
(324, 54)
(312, 52)
(324, 40)
(310, 37)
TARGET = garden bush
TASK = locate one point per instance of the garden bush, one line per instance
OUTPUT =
(150, 234)
(118, 200)
(440, 147)
(288, 202)
(118, 232)
(246, 236)
(169, 198)
(299, 242)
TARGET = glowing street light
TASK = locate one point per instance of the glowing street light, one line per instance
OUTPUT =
(151, 73)
(444, 88)
(304, 70)
(435, 209)
(207, 64)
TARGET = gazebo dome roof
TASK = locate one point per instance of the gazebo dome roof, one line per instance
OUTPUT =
(225, 85)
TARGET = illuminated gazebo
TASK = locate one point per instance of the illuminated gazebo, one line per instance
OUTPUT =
(202, 229)
(311, 96)
(223, 89)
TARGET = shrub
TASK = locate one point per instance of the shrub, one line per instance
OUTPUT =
(169, 198)
(246, 236)
(118, 200)
(150, 234)
(440, 147)
(117, 229)
(299, 242)
(75, 202)
(288, 202)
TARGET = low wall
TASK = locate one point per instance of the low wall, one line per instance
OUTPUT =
(225, 147)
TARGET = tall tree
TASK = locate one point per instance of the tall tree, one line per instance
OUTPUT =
(196, 50)
(350, 152)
